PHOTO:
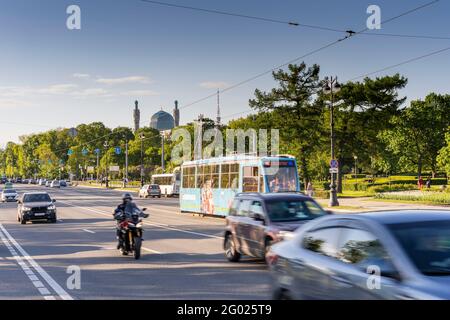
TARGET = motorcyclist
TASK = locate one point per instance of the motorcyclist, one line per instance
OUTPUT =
(124, 211)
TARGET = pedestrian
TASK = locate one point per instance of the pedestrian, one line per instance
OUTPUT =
(428, 183)
(420, 183)
(310, 189)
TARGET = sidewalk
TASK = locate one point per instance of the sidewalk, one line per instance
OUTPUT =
(135, 189)
(368, 204)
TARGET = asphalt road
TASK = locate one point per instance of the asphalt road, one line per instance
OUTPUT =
(182, 254)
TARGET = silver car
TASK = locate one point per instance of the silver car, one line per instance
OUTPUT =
(9, 195)
(378, 255)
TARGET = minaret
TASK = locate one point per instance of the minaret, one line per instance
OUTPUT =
(136, 116)
(218, 119)
(176, 115)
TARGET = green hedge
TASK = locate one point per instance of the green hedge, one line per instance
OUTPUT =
(391, 188)
(435, 198)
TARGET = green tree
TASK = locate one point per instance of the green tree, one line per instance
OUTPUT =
(418, 134)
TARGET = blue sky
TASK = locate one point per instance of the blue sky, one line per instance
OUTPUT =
(126, 50)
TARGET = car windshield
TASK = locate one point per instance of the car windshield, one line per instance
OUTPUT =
(293, 210)
(9, 191)
(37, 198)
(427, 244)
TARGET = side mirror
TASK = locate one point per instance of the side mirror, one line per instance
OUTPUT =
(53, 200)
(258, 217)
(144, 209)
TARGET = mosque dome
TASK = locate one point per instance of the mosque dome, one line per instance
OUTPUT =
(162, 121)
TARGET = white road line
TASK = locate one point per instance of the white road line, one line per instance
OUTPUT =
(152, 251)
(35, 280)
(50, 281)
(88, 231)
(151, 224)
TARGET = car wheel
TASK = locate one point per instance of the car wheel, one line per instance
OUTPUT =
(267, 245)
(281, 294)
(230, 249)
(23, 221)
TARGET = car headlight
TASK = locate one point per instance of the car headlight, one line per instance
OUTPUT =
(285, 235)
(51, 207)
(26, 209)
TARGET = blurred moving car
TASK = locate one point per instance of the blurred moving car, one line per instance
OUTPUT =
(377, 255)
(256, 221)
(36, 206)
(55, 184)
(9, 195)
(150, 190)
(62, 183)
(8, 185)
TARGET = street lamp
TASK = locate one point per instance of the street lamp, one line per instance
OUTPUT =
(332, 87)
(106, 145)
(142, 137)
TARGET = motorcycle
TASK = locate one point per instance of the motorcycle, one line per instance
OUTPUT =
(130, 227)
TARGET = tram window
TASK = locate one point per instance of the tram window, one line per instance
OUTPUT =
(234, 176)
(250, 181)
(215, 176)
(225, 176)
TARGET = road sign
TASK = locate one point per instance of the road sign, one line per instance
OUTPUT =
(85, 152)
(334, 163)
(70, 152)
(118, 150)
(334, 170)
(114, 168)
(97, 151)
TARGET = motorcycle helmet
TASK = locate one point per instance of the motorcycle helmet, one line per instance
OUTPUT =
(127, 197)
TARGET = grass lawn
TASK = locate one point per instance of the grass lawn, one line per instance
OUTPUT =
(436, 198)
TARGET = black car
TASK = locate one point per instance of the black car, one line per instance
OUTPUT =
(256, 221)
(36, 207)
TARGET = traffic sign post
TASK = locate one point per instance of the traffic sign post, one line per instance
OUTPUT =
(118, 150)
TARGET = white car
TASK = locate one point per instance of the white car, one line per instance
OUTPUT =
(55, 184)
(9, 195)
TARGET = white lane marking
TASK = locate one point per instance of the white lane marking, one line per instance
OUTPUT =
(150, 224)
(50, 281)
(88, 231)
(35, 280)
(152, 251)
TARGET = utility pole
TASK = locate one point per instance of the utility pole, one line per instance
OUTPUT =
(98, 154)
(142, 136)
(126, 163)
(331, 87)
(106, 145)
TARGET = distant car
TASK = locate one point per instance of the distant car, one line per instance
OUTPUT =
(42, 182)
(9, 195)
(47, 183)
(8, 185)
(36, 207)
(55, 184)
(257, 221)
(62, 183)
(150, 190)
(19, 180)
(377, 255)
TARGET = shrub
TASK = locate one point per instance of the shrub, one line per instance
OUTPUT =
(435, 198)
(391, 188)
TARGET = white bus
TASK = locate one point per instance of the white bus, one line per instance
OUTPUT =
(169, 183)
